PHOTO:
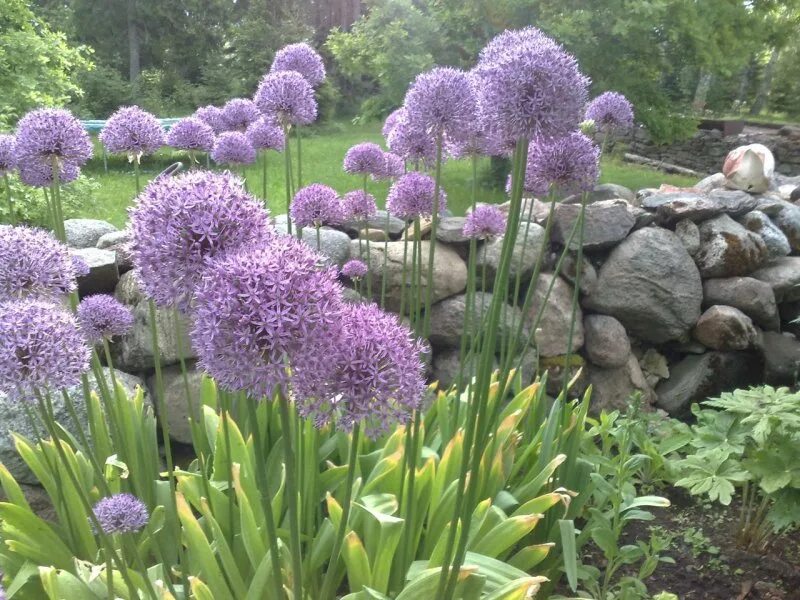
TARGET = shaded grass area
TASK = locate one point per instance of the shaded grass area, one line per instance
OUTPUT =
(323, 151)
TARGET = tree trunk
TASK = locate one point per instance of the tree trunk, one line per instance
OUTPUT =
(701, 92)
(134, 57)
(760, 103)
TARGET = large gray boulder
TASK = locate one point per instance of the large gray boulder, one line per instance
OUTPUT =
(651, 200)
(334, 245)
(725, 328)
(753, 297)
(84, 233)
(728, 249)
(606, 223)
(787, 217)
(176, 400)
(16, 420)
(781, 358)
(606, 342)
(700, 208)
(446, 367)
(783, 276)
(612, 388)
(449, 230)
(392, 225)
(552, 332)
(134, 351)
(526, 251)
(103, 272)
(775, 240)
(603, 191)
(449, 271)
(119, 243)
(689, 234)
(651, 285)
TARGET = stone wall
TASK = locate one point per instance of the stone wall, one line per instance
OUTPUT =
(706, 151)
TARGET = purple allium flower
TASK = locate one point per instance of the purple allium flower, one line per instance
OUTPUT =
(287, 97)
(378, 376)
(41, 348)
(530, 89)
(80, 266)
(211, 116)
(233, 148)
(33, 264)
(121, 513)
(486, 221)
(365, 159)
(411, 196)
(358, 205)
(508, 41)
(181, 222)
(8, 158)
(442, 102)
(102, 317)
(48, 133)
(611, 113)
(355, 269)
(392, 120)
(132, 131)
(267, 314)
(411, 143)
(302, 59)
(238, 113)
(567, 165)
(315, 205)
(37, 174)
(393, 166)
(266, 134)
(191, 134)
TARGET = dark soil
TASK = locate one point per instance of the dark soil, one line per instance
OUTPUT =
(708, 564)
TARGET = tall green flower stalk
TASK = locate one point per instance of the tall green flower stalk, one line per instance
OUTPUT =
(292, 493)
(287, 152)
(55, 198)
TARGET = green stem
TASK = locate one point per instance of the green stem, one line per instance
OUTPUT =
(403, 293)
(434, 227)
(369, 253)
(385, 260)
(264, 177)
(225, 415)
(299, 158)
(12, 217)
(291, 492)
(319, 243)
(136, 176)
(575, 294)
(58, 214)
(287, 164)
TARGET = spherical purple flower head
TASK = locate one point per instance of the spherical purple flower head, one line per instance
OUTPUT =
(567, 165)
(33, 264)
(121, 513)
(411, 196)
(37, 174)
(411, 143)
(132, 131)
(102, 317)
(379, 377)
(392, 120)
(48, 133)
(315, 205)
(233, 148)
(358, 205)
(393, 166)
(611, 113)
(181, 222)
(287, 97)
(486, 221)
(80, 266)
(531, 90)
(238, 113)
(355, 269)
(191, 134)
(267, 314)
(41, 348)
(442, 103)
(302, 59)
(8, 158)
(509, 40)
(365, 159)
(211, 116)
(266, 134)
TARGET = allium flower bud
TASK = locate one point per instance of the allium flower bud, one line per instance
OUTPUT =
(411, 196)
(102, 317)
(132, 131)
(233, 148)
(121, 513)
(301, 58)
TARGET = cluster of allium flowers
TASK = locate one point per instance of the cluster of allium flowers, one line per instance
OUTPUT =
(411, 143)
(8, 157)
(191, 134)
(287, 97)
(365, 159)
(355, 269)
(566, 165)
(302, 59)
(48, 134)
(267, 314)
(530, 87)
(211, 116)
(411, 196)
(132, 131)
(102, 317)
(41, 348)
(265, 134)
(392, 120)
(121, 513)
(358, 205)
(37, 174)
(181, 222)
(315, 205)
(33, 264)
(611, 113)
(238, 113)
(378, 378)
(233, 148)
(486, 221)
(442, 103)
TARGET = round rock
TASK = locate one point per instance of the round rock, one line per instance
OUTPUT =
(605, 341)
(725, 328)
(84, 233)
(552, 331)
(753, 297)
(728, 249)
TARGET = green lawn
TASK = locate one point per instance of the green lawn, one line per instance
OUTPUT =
(323, 152)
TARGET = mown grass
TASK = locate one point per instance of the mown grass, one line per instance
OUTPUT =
(323, 150)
